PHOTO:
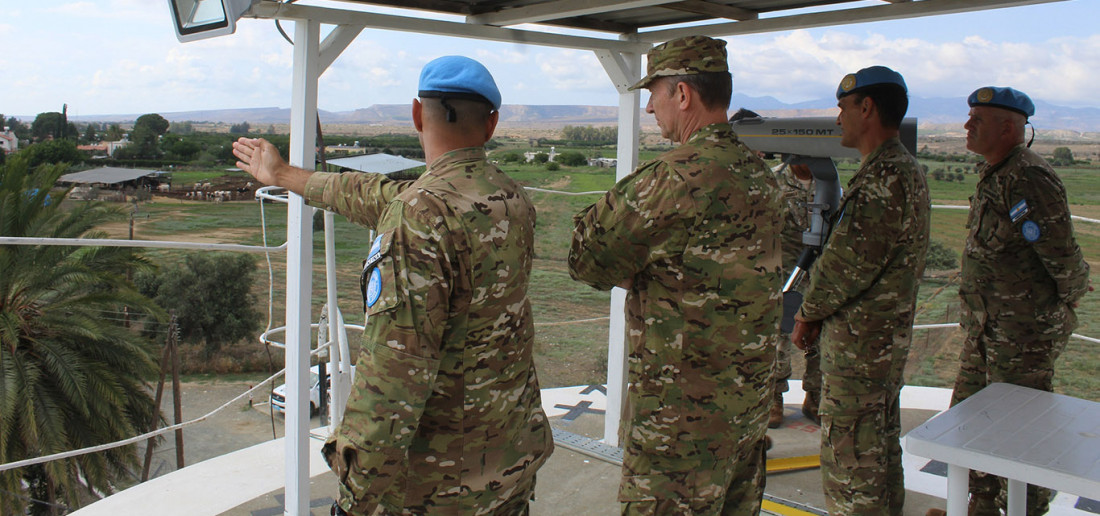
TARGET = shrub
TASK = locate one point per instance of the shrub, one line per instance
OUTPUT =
(572, 159)
(940, 257)
(211, 295)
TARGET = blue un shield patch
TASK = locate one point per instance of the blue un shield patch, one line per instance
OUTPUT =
(374, 287)
(1030, 230)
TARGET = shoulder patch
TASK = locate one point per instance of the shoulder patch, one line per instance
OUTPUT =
(370, 280)
(1019, 211)
(374, 287)
(375, 254)
(1030, 230)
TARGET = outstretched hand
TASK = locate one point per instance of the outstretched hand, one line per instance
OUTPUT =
(260, 158)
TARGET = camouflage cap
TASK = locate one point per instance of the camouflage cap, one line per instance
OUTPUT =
(684, 56)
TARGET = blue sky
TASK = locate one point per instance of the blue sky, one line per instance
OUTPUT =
(121, 57)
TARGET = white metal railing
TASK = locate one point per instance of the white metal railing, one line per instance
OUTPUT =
(113, 242)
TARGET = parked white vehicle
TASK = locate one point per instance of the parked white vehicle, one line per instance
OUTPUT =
(278, 396)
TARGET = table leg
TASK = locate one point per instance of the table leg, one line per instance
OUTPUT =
(958, 487)
(1017, 497)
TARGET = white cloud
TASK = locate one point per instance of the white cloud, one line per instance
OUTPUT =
(120, 56)
(800, 66)
(571, 70)
(505, 56)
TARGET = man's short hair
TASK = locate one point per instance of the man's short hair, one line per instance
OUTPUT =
(714, 88)
(467, 113)
(891, 100)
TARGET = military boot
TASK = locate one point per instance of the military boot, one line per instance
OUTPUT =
(775, 415)
(810, 407)
(983, 505)
(980, 505)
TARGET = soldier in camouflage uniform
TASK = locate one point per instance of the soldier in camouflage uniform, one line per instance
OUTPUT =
(446, 415)
(1022, 271)
(862, 297)
(796, 184)
(693, 236)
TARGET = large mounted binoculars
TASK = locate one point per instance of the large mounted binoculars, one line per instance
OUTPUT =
(810, 142)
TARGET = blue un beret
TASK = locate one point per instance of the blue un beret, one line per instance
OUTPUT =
(869, 77)
(458, 77)
(1006, 98)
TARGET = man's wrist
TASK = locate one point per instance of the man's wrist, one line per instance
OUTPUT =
(293, 178)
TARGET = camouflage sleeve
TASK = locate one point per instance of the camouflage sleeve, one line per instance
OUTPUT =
(361, 197)
(634, 224)
(407, 291)
(859, 247)
(1049, 229)
(795, 222)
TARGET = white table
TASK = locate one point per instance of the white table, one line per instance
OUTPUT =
(1022, 434)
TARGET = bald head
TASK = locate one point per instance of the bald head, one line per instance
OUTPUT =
(469, 116)
(472, 126)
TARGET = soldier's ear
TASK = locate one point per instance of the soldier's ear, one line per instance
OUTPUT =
(491, 124)
(867, 106)
(418, 115)
(684, 94)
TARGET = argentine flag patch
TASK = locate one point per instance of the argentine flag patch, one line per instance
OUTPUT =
(375, 253)
(1018, 211)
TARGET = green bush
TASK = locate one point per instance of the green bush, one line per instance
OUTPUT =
(940, 257)
(211, 295)
(572, 159)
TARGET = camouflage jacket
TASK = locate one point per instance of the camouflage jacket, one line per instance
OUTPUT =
(1022, 269)
(864, 284)
(696, 233)
(445, 411)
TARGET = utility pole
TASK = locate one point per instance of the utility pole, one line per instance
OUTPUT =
(169, 356)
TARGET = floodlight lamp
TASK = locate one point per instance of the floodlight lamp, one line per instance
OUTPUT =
(201, 19)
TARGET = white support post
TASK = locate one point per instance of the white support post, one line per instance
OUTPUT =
(621, 68)
(958, 486)
(299, 288)
(1017, 497)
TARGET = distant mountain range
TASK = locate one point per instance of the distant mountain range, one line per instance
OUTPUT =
(935, 114)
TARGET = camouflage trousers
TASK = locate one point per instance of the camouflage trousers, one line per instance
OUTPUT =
(860, 448)
(811, 378)
(517, 505)
(672, 486)
(1031, 364)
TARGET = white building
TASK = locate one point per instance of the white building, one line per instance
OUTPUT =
(530, 156)
(603, 162)
(9, 143)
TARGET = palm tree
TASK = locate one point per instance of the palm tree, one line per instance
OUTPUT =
(71, 374)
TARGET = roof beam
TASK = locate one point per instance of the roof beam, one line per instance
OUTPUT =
(287, 11)
(894, 11)
(716, 10)
(335, 44)
(557, 10)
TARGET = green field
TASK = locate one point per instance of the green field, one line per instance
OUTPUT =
(571, 352)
